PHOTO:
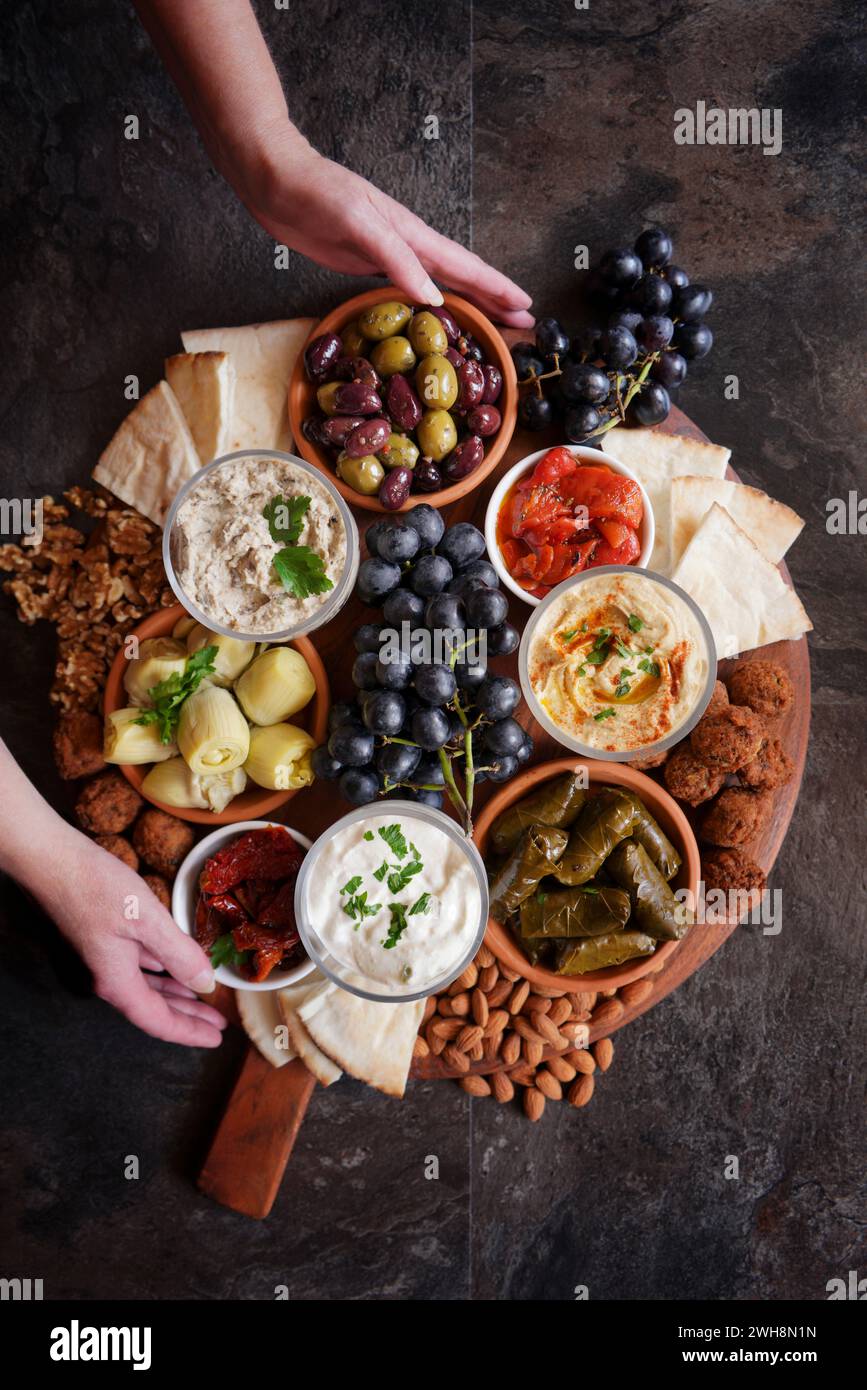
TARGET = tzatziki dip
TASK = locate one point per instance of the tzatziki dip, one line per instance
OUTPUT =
(395, 900)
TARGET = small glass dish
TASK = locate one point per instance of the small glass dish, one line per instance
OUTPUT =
(566, 739)
(343, 585)
(308, 882)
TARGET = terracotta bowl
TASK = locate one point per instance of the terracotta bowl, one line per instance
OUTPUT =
(302, 398)
(256, 802)
(660, 805)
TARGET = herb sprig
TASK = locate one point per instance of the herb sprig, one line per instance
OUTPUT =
(170, 694)
(300, 570)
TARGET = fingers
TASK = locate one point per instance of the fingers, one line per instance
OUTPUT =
(398, 261)
(128, 991)
(148, 961)
(183, 1000)
(162, 939)
(466, 271)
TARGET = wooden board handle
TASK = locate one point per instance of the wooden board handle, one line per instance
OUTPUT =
(251, 1147)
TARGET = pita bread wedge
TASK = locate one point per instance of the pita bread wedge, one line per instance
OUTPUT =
(263, 355)
(771, 525)
(316, 1062)
(204, 384)
(742, 595)
(372, 1042)
(150, 456)
(655, 458)
(261, 1018)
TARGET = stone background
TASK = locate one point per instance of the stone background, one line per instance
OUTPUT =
(556, 129)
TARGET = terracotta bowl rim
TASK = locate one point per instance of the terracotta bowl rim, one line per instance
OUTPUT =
(250, 805)
(300, 391)
(497, 938)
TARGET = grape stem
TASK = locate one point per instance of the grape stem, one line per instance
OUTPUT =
(454, 795)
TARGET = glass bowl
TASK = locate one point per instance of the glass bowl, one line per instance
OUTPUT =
(561, 735)
(343, 586)
(347, 977)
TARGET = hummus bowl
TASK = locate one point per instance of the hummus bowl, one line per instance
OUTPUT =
(392, 901)
(664, 810)
(617, 663)
(220, 549)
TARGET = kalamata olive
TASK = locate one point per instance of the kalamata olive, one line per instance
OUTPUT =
(403, 404)
(355, 369)
(493, 384)
(426, 477)
(446, 319)
(464, 459)
(453, 356)
(471, 384)
(437, 434)
(484, 420)
(326, 399)
(399, 452)
(368, 438)
(436, 382)
(354, 398)
(394, 490)
(338, 429)
(313, 428)
(470, 348)
(382, 320)
(393, 355)
(364, 474)
(321, 354)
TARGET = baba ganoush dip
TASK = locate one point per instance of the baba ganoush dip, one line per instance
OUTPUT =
(619, 661)
(395, 900)
(223, 548)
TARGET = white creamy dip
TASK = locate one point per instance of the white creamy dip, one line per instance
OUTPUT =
(223, 551)
(432, 940)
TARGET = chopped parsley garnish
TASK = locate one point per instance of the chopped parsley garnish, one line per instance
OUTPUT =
(421, 905)
(368, 835)
(286, 518)
(225, 952)
(398, 926)
(569, 635)
(358, 907)
(380, 873)
(635, 623)
(596, 657)
(169, 695)
(608, 713)
(395, 839)
(622, 689)
(398, 880)
(651, 667)
(622, 651)
(351, 886)
(300, 570)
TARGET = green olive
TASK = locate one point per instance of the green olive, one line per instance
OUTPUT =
(436, 382)
(354, 342)
(364, 474)
(437, 434)
(325, 396)
(427, 334)
(393, 355)
(399, 452)
(384, 320)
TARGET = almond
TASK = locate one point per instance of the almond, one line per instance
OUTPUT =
(455, 1058)
(420, 1048)
(578, 1034)
(580, 1091)
(636, 993)
(609, 1012)
(435, 1044)
(447, 1028)
(468, 977)
(512, 975)
(534, 1104)
(491, 1047)
(603, 1051)
(474, 1085)
(547, 1030)
(522, 1075)
(497, 1020)
(536, 1004)
(559, 1011)
(609, 993)
(549, 1085)
(499, 994)
(527, 1031)
(518, 997)
(461, 1005)
(477, 1052)
(485, 957)
(510, 1050)
(582, 1061)
(501, 1086)
(445, 1008)
(488, 977)
(479, 1007)
(430, 1008)
(533, 1052)
(550, 993)
(582, 1001)
(468, 1037)
(559, 1067)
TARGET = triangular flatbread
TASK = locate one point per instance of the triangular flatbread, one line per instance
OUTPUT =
(655, 458)
(204, 384)
(150, 456)
(770, 525)
(316, 1062)
(263, 355)
(372, 1042)
(743, 596)
(260, 1018)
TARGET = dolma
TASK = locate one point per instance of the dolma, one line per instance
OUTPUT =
(589, 911)
(651, 836)
(604, 822)
(555, 803)
(655, 909)
(534, 856)
(596, 952)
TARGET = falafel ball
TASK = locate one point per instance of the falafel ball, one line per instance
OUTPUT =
(107, 805)
(731, 871)
(719, 699)
(160, 889)
(162, 841)
(729, 739)
(762, 686)
(120, 848)
(652, 760)
(688, 779)
(770, 768)
(736, 816)
(77, 744)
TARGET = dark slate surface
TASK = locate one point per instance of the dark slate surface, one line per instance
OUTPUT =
(556, 131)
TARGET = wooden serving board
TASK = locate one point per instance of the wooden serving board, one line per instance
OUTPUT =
(253, 1142)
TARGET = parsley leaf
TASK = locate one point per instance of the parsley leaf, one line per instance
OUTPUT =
(380, 873)
(368, 835)
(169, 695)
(351, 886)
(568, 635)
(622, 689)
(286, 518)
(651, 667)
(421, 904)
(635, 623)
(301, 571)
(398, 880)
(398, 926)
(395, 839)
(225, 952)
(608, 713)
(358, 908)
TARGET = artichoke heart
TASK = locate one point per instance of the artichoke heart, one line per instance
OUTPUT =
(126, 741)
(158, 659)
(232, 657)
(213, 734)
(278, 683)
(280, 757)
(183, 627)
(175, 785)
(222, 788)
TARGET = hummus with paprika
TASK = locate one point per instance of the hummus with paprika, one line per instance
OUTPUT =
(619, 661)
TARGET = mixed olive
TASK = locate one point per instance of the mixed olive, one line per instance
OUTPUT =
(405, 401)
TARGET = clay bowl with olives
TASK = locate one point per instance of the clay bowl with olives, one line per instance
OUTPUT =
(400, 404)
